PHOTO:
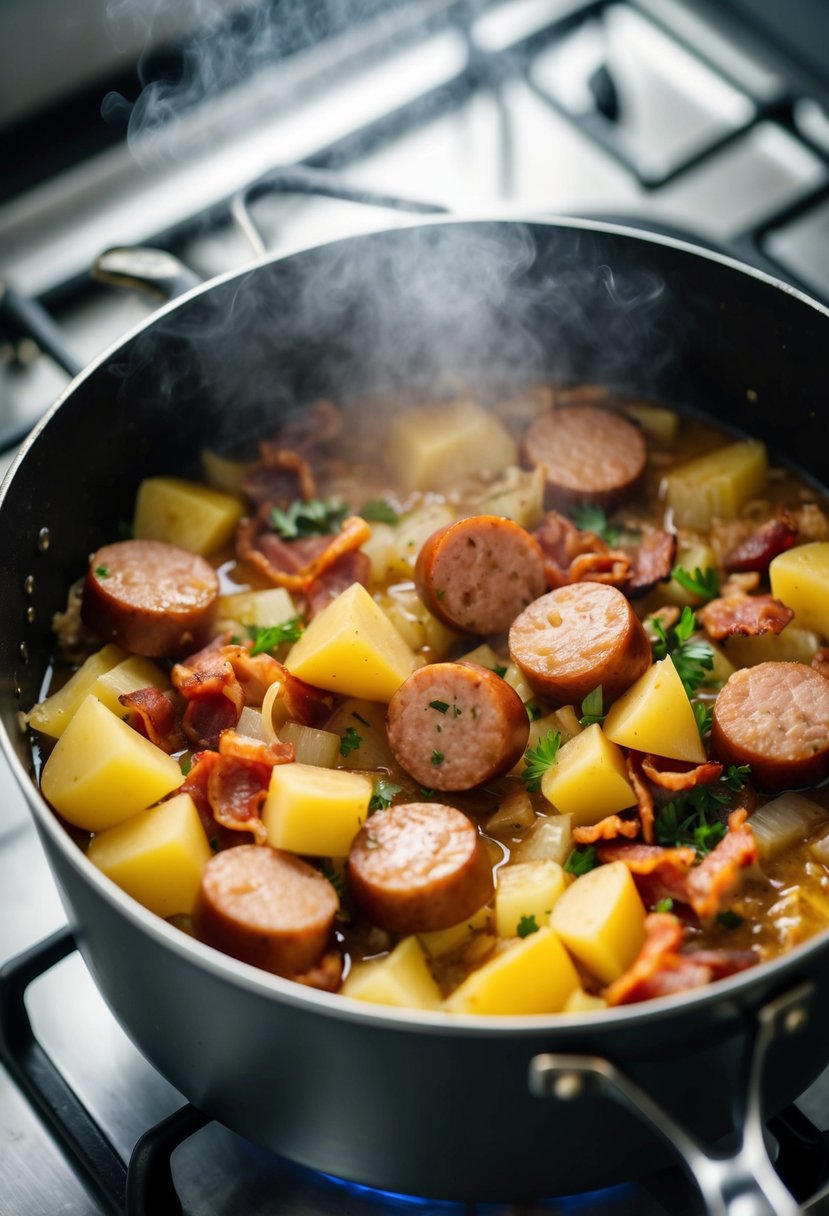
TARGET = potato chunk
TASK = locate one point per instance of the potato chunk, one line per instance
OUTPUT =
(134, 673)
(315, 811)
(102, 771)
(655, 715)
(185, 513)
(601, 920)
(715, 486)
(352, 648)
(156, 856)
(800, 578)
(401, 978)
(52, 716)
(531, 975)
(435, 446)
(444, 941)
(258, 608)
(526, 892)
(589, 779)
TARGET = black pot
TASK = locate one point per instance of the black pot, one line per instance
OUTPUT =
(450, 1107)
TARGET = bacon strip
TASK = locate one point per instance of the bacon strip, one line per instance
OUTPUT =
(154, 716)
(747, 616)
(659, 873)
(757, 550)
(215, 697)
(680, 779)
(644, 796)
(278, 477)
(653, 560)
(609, 828)
(280, 563)
(572, 556)
(230, 785)
(354, 567)
(719, 874)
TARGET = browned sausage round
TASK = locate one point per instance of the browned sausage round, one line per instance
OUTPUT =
(419, 866)
(588, 454)
(477, 574)
(775, 717)
(151, 598)
(453, 726)
(267, 908)
(577, 637)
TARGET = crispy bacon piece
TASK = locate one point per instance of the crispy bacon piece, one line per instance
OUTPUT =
(353, 567)
(297, 564)
(758, 549)
(748, 616)
(609, 828)
(680, 778)
(572, 556)
(229, 786)
(254, 751)
(278, 477)
(653, 560)
(659, 873)
(820, 661)
(214, 696)
(720, 873)
(644, 796)
(154, 716)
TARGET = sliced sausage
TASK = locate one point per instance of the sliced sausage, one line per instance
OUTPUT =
(477, 574)
(267, 908)
(576, 637)
(419, 866)
(588, 455)
(151, 598)
(453, 726)
(775, 717)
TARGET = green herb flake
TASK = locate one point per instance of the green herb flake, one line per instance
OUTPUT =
(350, 741)
(592, 708)
(729, 919)
(360, 718)
(102, 572)
(378, 511)
(581, 861)
(690, 819)
(664, 905)
(268, 637)
(185, 764)
(437, 758)
(534, 712)
(704, 715)
(702, 583)
(538, 759)
(384, 792)
(590, 518)
(316, 517)
(735, 776)
(526, 926)
(426, 794)
(440, 706)
(499, 670)
(693, 658)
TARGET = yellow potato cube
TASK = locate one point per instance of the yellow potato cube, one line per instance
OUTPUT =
(156, 856)
(589, 779)
(657, 421)
(258, 608)
(315, 811)
(402, 978)
(793, 645)
(655, 715)
(530, 975)
(435, 446)
(584, 1002)
(444, 941)
(185, 513)
(715, 486)
(222, 472)
(526, 891)
(102, 771)
(800, 578)
(134, 673)
(601, 920)
(52, 716)
(352, 648)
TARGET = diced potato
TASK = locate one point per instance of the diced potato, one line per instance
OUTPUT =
(185, 513)
(601, 920)
(352, 648)
(436, 446)
(551, 837)
(401, 978)
(223, 473)
(260, 609)
(516, 495)
(485, 656)
(584, 1002)
(102, 771)
(563, 720)
(421, 631)
(691, 556)
(589, 779)
(130, 675)
(530, 975)
(516, 679)
(786, 820)
(655, 420)
(715, 486)
(793, 645)
(156, 856)
(52, 716)
(655, 715)
(515, 813)
(800, 578)
(368, 720)
(312, 746)
(526, 890)
(315, 811)
(446, 941)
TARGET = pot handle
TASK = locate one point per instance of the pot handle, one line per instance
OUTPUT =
(742, 1183)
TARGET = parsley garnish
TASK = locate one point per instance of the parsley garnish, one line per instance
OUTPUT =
(534, 712)
(437, 758)
(704, 715)
(664, 905)
(102, 572)
(350, 741)
(685, 820)
(526, 926)
(581, 860)
(729, 919)
(590, 518)
(379, 511)
(499, 670)
(185, 764)
(735, 776)
(702, 583)
(539, 759)
(692, 658)
(591, 708)
(384, 792)
(268, 637)
(440, 706)
(318, 516)
(426, 794)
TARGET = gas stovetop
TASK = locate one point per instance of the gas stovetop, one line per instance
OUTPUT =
(640, 112)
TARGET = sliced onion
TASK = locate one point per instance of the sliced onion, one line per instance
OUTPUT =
(551, 839)
(784, 821)
(250, 723)
(311, 746)
(274, 713)
(515, 812)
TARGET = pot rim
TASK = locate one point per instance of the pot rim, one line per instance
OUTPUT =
(728, 991)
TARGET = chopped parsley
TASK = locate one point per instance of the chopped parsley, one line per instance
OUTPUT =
(539, 759)
(426, 794)
(384, 792)
(591, 708)
(581, 861)
(437, 757)
(704, 715)
(686, 820)
(735, 776)
(185, 764)
(526, 926)
(268, 637)
(102, 572)
(317, 517)
(702, 583)
(729, 919)
(350, 741)
(534, 712)
(440, 706)
(499, 670)
(664, 905)
(378, 511)
(590, 518)
(692, 657)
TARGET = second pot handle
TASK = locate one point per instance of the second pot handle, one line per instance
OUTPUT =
(742, 1183)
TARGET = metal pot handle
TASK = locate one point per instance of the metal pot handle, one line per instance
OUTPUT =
(742, 1183)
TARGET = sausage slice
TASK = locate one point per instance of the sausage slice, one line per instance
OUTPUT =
(266, 907)
(576, 637)
(588, 455)
(150, 597)
(775, 717)
(419, 866)
(477, 574)
(453, 726)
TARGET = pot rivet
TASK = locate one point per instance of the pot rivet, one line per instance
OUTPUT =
(29, 584)
(568, 1085)
(44, 539)
(795, 1019)
(23, 651)
(30, 614)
